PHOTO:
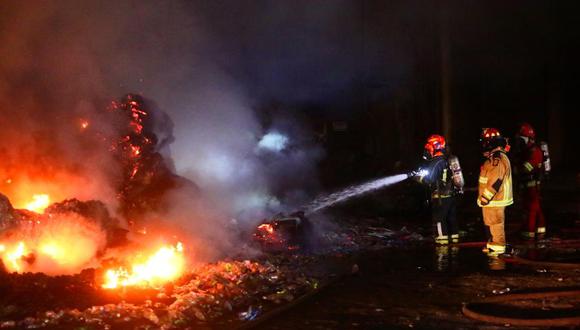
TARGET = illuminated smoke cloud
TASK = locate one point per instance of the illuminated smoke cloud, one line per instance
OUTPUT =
(273, 141)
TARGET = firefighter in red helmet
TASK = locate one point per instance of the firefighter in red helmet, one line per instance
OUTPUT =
(495, 188)
(442, 175)
(530, 169)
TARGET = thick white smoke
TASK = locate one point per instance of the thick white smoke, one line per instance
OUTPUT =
(250, 169)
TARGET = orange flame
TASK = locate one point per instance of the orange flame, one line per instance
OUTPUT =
(39, 203)
(56, 246)
(84, 124)
(165, 265)
(267, 227)
(14, 256)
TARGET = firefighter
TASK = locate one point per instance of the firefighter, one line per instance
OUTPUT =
(438, 176)
(495, 188)
(530, 170)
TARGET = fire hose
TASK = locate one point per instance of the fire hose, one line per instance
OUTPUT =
(548, 264)
(468, 310)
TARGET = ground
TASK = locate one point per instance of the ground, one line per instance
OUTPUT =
(423, 286)
(372, 266)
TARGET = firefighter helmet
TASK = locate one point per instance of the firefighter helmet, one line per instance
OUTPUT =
(491, 138)
(527, 130)
(434, 147)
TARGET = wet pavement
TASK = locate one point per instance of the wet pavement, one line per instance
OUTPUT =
(419, 288)
(426, 286)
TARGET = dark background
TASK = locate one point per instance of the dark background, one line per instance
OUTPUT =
(385, 74)
(372, 78)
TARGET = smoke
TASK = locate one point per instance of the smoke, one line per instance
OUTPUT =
(273, 141)
(62, 64)
(257, 170)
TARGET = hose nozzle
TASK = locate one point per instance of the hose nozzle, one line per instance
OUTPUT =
(421, 172)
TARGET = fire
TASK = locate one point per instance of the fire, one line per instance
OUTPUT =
(165, 265)
(55, 250)
(55, 246)
(14, 256)
(84, 124)
(266, 227)
(39, 203)
(135, 151)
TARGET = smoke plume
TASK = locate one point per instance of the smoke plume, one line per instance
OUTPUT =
(62, 64)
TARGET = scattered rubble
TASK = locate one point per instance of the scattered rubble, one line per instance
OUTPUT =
(225, 292)
(219, 292)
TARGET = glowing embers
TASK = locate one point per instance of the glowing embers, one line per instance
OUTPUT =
(266, 227)
(283, 232)
(84, 124)
(38, 204)
(164, 265)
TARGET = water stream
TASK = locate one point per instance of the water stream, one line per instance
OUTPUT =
(347, 193)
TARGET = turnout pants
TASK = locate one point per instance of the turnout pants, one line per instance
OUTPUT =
(494, 219)
(444, 217)
(536, 223)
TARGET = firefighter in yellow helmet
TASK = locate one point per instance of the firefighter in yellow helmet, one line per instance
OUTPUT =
(495, 188)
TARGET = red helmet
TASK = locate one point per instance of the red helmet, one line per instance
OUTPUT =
(489, 133)
(527, 130)
(435, 146)
(491, 138)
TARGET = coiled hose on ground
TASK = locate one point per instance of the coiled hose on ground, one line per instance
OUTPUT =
(470, 311)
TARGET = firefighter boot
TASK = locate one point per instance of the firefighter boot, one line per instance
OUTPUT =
(488, 235)
(541, 233)
(495, 249)
(528, 235)
(455, 238)
(442, 240)
(442, 257)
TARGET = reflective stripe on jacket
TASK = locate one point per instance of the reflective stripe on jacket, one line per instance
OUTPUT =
(531, 168)
(495, 181)
(440, 178)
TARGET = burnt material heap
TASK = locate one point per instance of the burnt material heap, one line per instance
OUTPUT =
(146, 176)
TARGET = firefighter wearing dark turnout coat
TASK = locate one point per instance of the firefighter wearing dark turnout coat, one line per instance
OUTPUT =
(495, 188)
(439, 178)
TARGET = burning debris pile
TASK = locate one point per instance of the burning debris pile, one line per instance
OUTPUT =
(72, 235)
(146, 175)
(224, 292)
(147, 270)
(109, 252)
(127, 273)
(284, 232)
(32, 242)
